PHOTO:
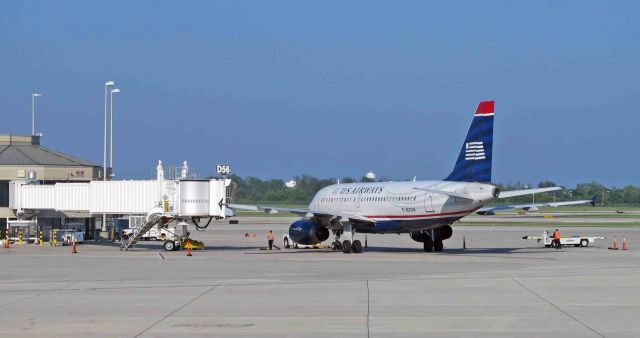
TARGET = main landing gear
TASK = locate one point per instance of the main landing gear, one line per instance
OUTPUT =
(346, 246)
(432, 239)
(433, 243)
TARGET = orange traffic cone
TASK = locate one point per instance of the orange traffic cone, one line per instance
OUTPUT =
(624, 243)
(464, 243)
(615, 244)
(74, 250)
(189, 249)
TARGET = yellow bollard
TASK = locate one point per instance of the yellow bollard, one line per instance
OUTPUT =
(20, 236)
(55, 237)
(40, 236)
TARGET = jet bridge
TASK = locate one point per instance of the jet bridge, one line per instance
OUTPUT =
(160, 200)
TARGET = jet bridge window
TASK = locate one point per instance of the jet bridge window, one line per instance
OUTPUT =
(4, 194)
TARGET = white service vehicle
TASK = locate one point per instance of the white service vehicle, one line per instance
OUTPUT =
(152, 235)
(575, 240)
(68, 236)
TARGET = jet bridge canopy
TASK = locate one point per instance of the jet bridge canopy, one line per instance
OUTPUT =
(180, 198)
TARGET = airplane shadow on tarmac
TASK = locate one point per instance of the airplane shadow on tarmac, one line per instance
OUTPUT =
(447, 251)
(397, 250)
(144, 245)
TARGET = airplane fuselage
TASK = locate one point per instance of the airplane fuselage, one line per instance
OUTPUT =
(396, 207)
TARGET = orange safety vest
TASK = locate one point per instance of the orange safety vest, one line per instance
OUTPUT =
(556, 235)
(270, 236)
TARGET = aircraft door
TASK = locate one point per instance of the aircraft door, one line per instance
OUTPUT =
(428, 202)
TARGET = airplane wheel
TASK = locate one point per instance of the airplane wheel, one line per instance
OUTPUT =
(346, 247)
(357, 246)
(169, 246)
(584, 242)
(438, 245)
(334, 246)
(428, 245)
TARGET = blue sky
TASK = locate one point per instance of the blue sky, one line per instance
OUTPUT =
(331, 88)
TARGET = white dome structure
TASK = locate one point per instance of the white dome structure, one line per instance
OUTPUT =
(291, 184)
(371, 175)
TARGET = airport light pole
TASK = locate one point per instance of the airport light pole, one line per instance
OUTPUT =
(104, 153)
(104, 157)
(33, 113)
(114, 90)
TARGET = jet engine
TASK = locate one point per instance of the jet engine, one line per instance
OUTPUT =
(442, 233)
(306, 232)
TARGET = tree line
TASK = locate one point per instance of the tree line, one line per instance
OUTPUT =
(254, 190)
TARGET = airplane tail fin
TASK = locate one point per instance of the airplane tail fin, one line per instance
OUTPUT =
(474, 159)
(593, 201)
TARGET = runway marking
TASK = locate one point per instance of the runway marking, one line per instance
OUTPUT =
(178, 309)
(161, 256)
(368, 308)
(557, 307)
(45, 292)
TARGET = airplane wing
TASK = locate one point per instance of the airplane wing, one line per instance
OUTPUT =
(513, 193)
(302, 212)
(270, 210)
(532, 206)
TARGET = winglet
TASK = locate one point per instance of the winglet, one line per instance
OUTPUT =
(485, 108)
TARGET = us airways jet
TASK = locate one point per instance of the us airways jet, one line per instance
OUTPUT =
(423, 209)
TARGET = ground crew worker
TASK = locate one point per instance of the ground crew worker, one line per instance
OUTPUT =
(556, 239)
(270, 238)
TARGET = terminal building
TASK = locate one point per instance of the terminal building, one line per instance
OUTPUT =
(23, 158)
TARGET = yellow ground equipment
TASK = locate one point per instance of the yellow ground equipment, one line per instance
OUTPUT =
(192, 243)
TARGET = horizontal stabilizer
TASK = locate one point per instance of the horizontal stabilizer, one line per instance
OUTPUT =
(490, 210)
(448, 193)
(513, 193)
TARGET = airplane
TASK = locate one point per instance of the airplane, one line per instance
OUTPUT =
(423, 209)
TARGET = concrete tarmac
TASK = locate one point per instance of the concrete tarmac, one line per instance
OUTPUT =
(501, 286)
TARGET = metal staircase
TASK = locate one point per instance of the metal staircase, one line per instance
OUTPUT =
(153, 217)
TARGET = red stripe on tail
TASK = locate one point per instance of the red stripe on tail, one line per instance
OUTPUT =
(485, 107)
